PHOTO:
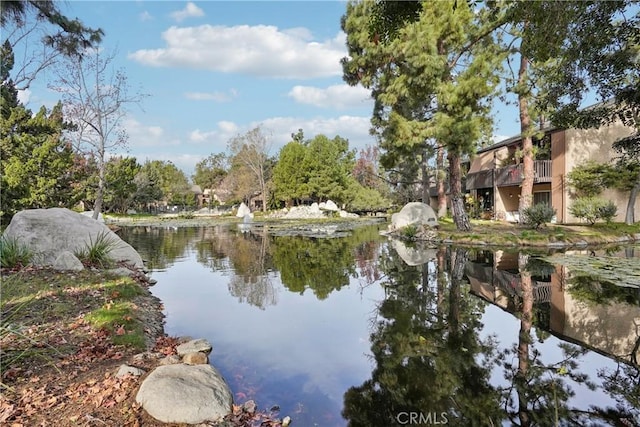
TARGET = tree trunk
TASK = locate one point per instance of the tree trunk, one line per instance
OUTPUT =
(526, 191)
(524, 338)
(440, 180)
(425, 177)
(460, 217)
(265, 195)
(100, 193)
(630, 218)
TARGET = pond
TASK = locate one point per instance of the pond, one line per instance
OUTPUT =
(355, 329)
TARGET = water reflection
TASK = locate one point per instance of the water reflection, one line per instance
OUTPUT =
(429, 359)
(364, 332)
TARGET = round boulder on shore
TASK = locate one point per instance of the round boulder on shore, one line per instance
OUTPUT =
(189, 394)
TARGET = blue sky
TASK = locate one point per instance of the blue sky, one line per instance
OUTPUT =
(216, 69)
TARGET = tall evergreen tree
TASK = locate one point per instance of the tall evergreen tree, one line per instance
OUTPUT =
(431, 72)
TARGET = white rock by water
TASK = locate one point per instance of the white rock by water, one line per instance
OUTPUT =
(330, 205)
(185, 394)
(414, 213)
(243, 210)
(49, 232)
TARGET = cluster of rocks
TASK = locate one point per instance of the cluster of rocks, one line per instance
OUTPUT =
(313, 211)
(184, 388)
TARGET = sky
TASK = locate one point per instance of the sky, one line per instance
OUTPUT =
(217, 69)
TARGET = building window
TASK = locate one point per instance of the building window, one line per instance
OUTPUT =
(541, 197)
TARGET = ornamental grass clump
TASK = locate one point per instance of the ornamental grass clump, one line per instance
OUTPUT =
(96, 253)
(14, 254)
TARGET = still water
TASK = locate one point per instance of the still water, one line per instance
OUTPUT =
(354, 329)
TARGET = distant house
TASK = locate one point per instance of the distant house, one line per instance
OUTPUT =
(495, 174)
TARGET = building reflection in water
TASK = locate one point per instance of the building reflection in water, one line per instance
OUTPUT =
(609, 328)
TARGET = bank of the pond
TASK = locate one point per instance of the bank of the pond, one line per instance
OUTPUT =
(483, 233)
(499, 233)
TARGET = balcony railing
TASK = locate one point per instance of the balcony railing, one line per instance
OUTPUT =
(510, 175)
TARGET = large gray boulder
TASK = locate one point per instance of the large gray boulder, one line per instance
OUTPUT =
(50, 232)
(190, 394)
(414, 213)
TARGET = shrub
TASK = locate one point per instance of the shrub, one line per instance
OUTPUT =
(592, 209)
(536, 215)
(607, 211)
(14, 254)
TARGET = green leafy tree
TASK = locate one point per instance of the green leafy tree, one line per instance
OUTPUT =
(328, 164)
(536, 36)
(365, 199)
(36, 166)
(627, 174)
(210, 171)
(289, 178)
(175, 185)
(148, 185)
(601, 53)
(121, 186)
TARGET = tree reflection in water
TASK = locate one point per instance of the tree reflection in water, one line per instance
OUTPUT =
(426, 350)
(425, 342)
(430, 360)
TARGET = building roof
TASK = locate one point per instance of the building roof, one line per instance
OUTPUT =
(512, 140)
(550, 128)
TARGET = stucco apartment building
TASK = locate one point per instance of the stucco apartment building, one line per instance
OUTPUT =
(495, 173)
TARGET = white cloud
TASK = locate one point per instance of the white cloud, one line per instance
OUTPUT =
(24, 96)
(353, 128)
(146, 136)
(279, 130)
(212, 96)
(146, 16)
(336, 96)
(218, 137)
(189, 11)
(260, 50)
